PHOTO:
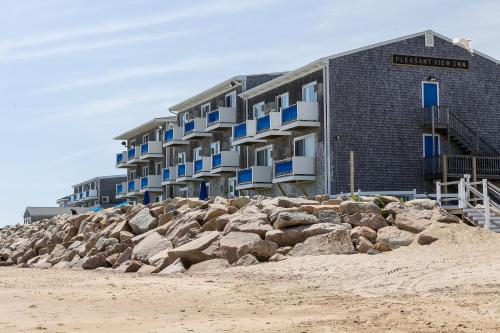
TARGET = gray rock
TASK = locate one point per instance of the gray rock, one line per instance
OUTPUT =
(294, 219)
(124, 257)
(394, 237)
(247, 260)
(248, 221)
(335, 242)
(193, 252)
(142, 222)
(292, 236)
(262, 249)
(93, 262)
(150, 246)
(353, 207)
(373, 221)
(233, 241)
(329, 216)
(362, 231)
(414, 220)
(209, 265)
(286, 202)
(103, 242)
(175, 268)
(425, 204)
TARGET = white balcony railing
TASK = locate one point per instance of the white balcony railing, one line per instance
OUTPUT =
(223, 117)
(227, 160)
(173, 136)
(301, 114)
(294, 169)
(195, 128)
(254, 177)
(151, 183)
(151, 149)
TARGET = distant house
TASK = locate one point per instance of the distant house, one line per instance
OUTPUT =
(34, 214)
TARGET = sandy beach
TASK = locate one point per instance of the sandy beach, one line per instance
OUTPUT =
(444, 287)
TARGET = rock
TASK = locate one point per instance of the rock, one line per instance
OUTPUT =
(233, 241)
(335, 242)
(292, 236)
(216, 224)
(215, 210)
(137, 239)
(99, 260)
(157, 211)
(192, 252)
(329, 216)
(295, 202)
(394, 208)
(103, 243)
(394, 237)
(248, 221)
(118, 229)
(284, 250)
(433, 233)
(382, 247)
(388, 199)
(142, 222)
(124, 257)
(180, 226)
(239, 202)
(291, 219)
(165, 218)
(176, 268)
(209, 265)
(262, 249)
(426, 204)
(133, 266)
(413, 220)
(361, 231)
(150, 246)
(111, 260)
(147, 269)
(277, 257)
(363, 245)
(247, 260)
(373, 251)
(372, 221)
(125, 236)
(353, 207)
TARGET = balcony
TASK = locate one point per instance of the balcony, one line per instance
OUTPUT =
(295, 169)
(300, 115)
(133, 156)
(256, 177)
(151, 150)
(90, 195)
(169, 176)
(195, 129)
(151, 183)
(185, 172)
(244, 133)
(221, 118)
(202, 167)
(173, 137)
(133, 187)
(72, 198)
(455, 166)
(269, 126)
(121, 159)
(121, 190)
(225, 161)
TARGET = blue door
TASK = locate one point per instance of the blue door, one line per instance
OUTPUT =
(429, 150)
(430, 94)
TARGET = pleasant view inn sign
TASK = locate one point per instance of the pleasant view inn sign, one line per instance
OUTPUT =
(410, 60)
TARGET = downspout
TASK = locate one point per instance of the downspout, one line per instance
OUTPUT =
(326, 120)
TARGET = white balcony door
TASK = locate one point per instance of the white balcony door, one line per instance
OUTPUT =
(230, 100)
(231, 182)
(205, 109)
(304, 146)
(158, 168)
(132, 175)
(258, 110)
(196, 153)
(282, 101)
(181, 158)
(158, 135)
(132, 143)
(145, 171)
(215, 147)
(264, 156)
(309, 93)
(145, 138)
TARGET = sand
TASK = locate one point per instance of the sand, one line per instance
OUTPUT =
(450, 286)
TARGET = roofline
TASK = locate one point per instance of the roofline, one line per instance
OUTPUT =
(317, 64)
(208, 93)
(97, 178)
(155, 122)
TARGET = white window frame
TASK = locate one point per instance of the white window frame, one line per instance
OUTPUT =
(143, 169)
(270, 156)
(181, 158)
(204, 112)
(132, 175)
(158, 171)
(233, 99)
(158, 198)
(231, 183)
(215, 147)
(208, 189)
(255, 112)
(305, 137)
(422, 91)
(157, 134)
(196, 153)
(307, 85)
(132, 143)
(423, 143)
(184, 118)
(280, 97)
(145, 138)
(105, 199)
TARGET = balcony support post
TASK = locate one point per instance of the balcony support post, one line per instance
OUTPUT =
(281, 189)
(445, 173)
(303, 190)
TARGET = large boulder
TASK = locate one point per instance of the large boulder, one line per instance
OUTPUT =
(425, 204)
(98, 260)
(250, 221)
(124, 257)
(353, 207)
(233, 241)
(329, 216)
(104, 242)
(294, 219)
(247, 260)
(394, 237)
(216, 224)
(193, 252)
(119, 228)
(335, 242)
(262, 249)
(292, 236)
(286, 202)
(209, 265)
(176, 267)
(372, 221)
(150, 246)
(142, 222)
(362, 231)
(413, 220)
(215, 210)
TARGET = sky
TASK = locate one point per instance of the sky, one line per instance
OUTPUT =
(73, 74)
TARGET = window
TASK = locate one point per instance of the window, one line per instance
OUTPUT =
(158, 135)
(105, 199)
(181, 158)
(304, 146)
(145, 171)
(205, 108)
(230, 100)
(264, 156)
(282, 101)
(132, 175)
(196, 153)
(145, 138)
(309, 93)
(208, 189)
(184, 118)
(231, 182)
(132, 143)
(158, 168)
(258, 110)
(215, 147)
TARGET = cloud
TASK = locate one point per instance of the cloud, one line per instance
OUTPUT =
(194, 12)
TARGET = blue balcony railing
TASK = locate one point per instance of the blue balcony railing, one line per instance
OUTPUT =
(181, 170)
(245, 176)
(240, 130)
(198, 165)
(131, 153)
(144, 148)
(119, 189)
(189, 127)
(283, 168)
(216, 160)
(166, 174)
(131, 186)
(289, 114)
(119, 158)
(263, 123)
(168, 135)
(213, 117)
(144, 182)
